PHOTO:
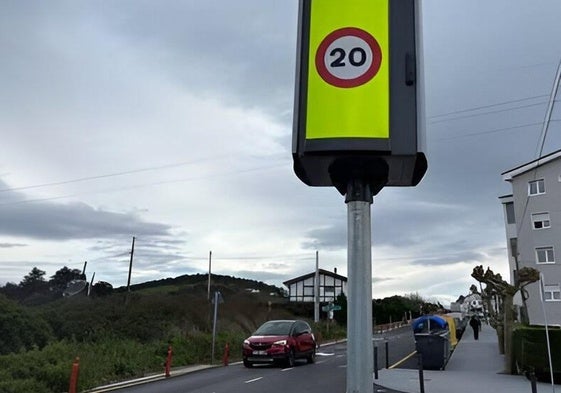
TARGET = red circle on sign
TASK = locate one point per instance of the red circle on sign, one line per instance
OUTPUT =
(361, 79)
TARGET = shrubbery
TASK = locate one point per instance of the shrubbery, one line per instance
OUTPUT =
(123, 336)
(20, 330)
(530, 351)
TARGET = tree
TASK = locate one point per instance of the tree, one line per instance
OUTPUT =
(34, 282)
(102, 288)
(503, 318)
(11, 291)
(59, 281)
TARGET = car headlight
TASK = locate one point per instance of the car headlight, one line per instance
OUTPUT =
(280, 342)
(246, 342)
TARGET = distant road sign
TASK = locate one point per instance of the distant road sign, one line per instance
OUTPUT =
(331, 307)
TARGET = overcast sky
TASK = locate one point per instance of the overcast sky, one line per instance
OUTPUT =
(171, 121)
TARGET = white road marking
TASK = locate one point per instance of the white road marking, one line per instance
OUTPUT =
(287, 369)
(253, 380)
(324, 354)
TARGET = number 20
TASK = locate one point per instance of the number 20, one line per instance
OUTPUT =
(357, 57)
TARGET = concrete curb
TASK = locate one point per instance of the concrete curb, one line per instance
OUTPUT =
(150, 378)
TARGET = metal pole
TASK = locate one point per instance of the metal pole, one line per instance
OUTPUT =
(542, 292)
(421, 374)
(387, 355)
(549, 111)
(130, 266)
(359, 315)
(375, 362)
(533, 384)
(216, 294)
(316, 290)
(209, 264)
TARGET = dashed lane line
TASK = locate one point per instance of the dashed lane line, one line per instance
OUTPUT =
(253, 380)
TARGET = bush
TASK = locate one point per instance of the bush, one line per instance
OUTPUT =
(530, 352)
(19, 329)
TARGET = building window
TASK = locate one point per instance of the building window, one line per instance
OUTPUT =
(545, 255)
(541, 221)
(509, 207)
(552, 293)
(536, 187)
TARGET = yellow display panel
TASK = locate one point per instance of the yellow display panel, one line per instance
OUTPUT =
(348, 70)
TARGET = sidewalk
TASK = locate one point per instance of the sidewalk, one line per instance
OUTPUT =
(475, 366)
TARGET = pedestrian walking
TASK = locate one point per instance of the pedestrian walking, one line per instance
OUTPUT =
(475, 324)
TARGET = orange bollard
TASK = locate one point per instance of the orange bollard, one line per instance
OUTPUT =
(74, 375)
(168, 362)
(226, 354)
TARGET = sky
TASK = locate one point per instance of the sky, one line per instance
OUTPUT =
(171, 121)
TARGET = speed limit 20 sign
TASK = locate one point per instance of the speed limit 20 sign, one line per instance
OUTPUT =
(357, 88)
(348, 57)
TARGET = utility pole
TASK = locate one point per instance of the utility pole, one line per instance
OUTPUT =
(130, 266)
(316, 290)
(209, 265)
(91, 284)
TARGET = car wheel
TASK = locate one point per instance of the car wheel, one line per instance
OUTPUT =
(290, 359)
(247, 363)
(311, 357)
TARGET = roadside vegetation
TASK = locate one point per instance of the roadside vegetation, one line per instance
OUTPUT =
(118, 335)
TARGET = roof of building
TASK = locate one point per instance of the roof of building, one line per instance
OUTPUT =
(310, 275)
(508, 175)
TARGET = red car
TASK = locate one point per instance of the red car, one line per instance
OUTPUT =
(281, 341)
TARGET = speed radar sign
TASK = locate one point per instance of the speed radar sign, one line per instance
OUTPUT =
(348, 57)
(357, 92)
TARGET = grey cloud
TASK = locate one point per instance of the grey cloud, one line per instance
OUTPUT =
(250, 65)
(382, 279)
(328, 239)
(12, 245)
(56, 221)
(450, 259)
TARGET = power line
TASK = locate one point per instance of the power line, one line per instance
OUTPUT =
(96, 177)
(249, 170)
(487, 106)
(496, 130)
(488, 112)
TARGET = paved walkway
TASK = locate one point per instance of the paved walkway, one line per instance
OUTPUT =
(474, 367)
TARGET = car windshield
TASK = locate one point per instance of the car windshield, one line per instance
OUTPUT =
(274, 328)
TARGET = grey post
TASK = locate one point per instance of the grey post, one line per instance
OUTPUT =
(359, 316)
(375, 361)
(387, 354)
(216, 301)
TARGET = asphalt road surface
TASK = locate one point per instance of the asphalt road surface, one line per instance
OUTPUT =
(326, 375)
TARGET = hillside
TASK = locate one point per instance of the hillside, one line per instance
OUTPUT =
(119, 335)
(159, 310)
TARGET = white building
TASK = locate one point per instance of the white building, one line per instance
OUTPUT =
(331, 285)
(533, 229)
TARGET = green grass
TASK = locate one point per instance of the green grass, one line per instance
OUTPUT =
(105, 361)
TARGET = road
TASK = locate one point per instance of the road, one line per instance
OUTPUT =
(327, 374)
